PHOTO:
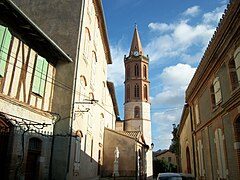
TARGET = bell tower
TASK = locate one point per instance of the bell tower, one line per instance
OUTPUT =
(137, 99)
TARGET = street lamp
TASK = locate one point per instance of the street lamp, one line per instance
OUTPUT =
(152, 145)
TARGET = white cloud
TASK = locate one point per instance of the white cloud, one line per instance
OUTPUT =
(174, 80)
(192, 11)
(116, 69)
(177, 76)
(167, 104)
(214, 16)
(162, 27)
(176, 40)
(164, 121)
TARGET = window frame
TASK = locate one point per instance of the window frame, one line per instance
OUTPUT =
(5, 43)
(137, 112)
(40, 76)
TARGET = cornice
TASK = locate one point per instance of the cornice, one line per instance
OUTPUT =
(103, 28)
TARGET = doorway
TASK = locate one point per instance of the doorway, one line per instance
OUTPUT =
(33, 156)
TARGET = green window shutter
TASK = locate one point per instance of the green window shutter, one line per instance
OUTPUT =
(40, 75)
(5, 40)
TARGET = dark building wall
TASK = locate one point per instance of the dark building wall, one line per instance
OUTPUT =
(59, 19)
(205, 106)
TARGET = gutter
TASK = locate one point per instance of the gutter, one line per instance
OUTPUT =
(193, 137)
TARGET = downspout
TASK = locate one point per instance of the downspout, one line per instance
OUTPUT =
(193, 145)
(58, 118)
(75, 85)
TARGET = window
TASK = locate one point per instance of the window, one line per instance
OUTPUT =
(94, 64)
(40, 76)
(90, 113)
(145, 92)
(237, 62)
(87, 43)
(82, 88)
(128, 72)
(216, 95)
(233, 74)
(103, 93)
(101, 125)
(77, 150)
(136, 91)
(217, 90)
(128, 92)
(96, 31)
(200, 158)
(196, 111)
(237, 137)
(145, 71)
(136, 112)
(213, 100)
(5, 39)
(35, 144)
(136, 70)
(237, 130)
(219, 137)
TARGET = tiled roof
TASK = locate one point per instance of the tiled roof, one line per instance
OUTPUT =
(133, 134)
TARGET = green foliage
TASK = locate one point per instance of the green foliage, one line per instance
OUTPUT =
(159, 166)
(174, 147)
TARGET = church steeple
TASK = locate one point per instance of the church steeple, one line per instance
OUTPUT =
(136, 46)
(137, 98)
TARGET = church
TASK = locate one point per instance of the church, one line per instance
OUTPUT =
(132, 136)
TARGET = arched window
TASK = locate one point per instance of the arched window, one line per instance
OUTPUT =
(219, 142)
(145, 71)
(103, 93)
(136, 112)
(145, 92)
(94, 64)
(90, 113)
(237, 62)
(96, 31)
(78, 138)
(83, 85)
(128, 72)
(136, 70)
(233, 74)
(136, 91)
(128, 93)
(87, 42)
(101, 123)
(237, 137)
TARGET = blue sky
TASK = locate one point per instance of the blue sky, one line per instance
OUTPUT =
(175, 35)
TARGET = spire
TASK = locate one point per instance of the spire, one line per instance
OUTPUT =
(136, 43)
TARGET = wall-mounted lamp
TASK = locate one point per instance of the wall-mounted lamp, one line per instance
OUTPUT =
(152, 145)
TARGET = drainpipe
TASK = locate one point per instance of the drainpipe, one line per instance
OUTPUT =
(193, 145)
(58, 118)
(75, 85)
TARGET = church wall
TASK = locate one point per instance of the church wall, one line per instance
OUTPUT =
(127, 157)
